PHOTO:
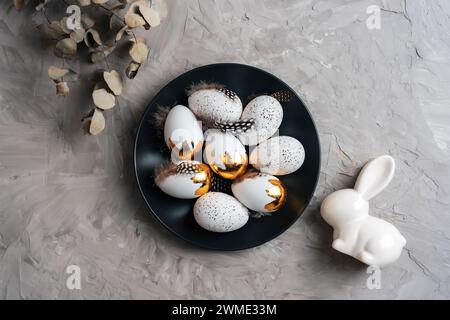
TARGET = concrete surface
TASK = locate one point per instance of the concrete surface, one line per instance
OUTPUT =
(69, 199)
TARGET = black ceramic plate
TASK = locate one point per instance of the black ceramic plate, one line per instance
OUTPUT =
(176, 214)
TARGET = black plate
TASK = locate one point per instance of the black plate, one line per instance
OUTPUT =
(175, 214)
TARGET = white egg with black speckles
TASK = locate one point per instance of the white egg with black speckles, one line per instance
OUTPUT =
(215, 104)
(278, 156)
(220, 212)
(267, 113)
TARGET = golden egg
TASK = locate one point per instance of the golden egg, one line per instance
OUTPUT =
(202, 175)
(231, 167)
(183, 134)
(259, 192)
(225, 154)
(186, 152)
(278, 193)
(184, 180)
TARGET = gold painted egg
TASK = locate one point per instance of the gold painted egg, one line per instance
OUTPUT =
(225, 154)
(184, 180)
(259, 192)
(183, 134)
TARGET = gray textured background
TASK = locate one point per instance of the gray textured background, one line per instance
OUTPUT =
(66, 198)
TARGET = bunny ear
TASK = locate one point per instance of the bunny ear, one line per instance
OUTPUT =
(375, 176)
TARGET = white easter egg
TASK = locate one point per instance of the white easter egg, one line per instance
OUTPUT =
(183, 133)
(225, 154)
(259, 192)
(278, 156)
(220, 212)
(184, 180)
(215, 104)
(267, 113)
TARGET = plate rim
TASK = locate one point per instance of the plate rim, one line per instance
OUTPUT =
(196, 244)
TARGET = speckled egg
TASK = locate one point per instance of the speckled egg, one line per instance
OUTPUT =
(278, 156)
(211, 103)
(259, 192)
(183, 133)
(184, 180)
(267, 113)
(220, 212)
(225, 154)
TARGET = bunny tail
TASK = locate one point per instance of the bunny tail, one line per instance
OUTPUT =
(403, 240)
(365, 257)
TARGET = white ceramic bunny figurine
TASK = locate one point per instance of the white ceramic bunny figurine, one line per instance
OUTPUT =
(368, 239)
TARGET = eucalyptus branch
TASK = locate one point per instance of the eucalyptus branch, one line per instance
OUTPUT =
(78, 29)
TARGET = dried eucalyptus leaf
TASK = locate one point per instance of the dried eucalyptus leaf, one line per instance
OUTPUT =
(150, 15)
(65, 48)
(132, 70)
(92, 38)
(97, 122)
(71, 76)
(121, 32)
(118, 6)
(103, 99)
(115, 23)
(64, 26)
(84, 3)
(134, 20)
(139, 52)
(56, 73)
(134, 14)
(134, 5)
(99, 55)
(78, 35)
(52, 30)
(59, 74)
(114, 81)
(62, 89)
(87, 21)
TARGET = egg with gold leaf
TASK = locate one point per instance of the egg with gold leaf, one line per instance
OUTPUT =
(184, 180)
(259, 192)
(225, 154)
(183, 133)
